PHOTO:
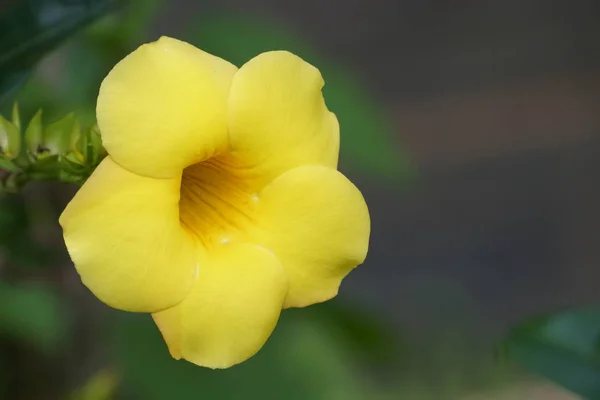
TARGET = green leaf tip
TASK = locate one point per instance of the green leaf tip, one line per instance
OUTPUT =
(16, 117)
(34, 133)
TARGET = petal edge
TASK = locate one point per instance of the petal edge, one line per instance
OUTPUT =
(123, 234)
(164, 107)
(277, 116)
(231, 310)
(317, 223)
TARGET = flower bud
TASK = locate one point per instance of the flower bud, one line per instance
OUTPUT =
(10, 140)
(34, 135)
(59, 151)
(57, 138)
(77, 145)
(95, 148)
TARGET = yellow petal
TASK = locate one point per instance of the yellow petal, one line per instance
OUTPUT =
(163, 107)
(124, 236)
(231, 310)
(277, 116)
(317, 223)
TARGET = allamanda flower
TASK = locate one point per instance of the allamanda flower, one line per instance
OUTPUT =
(219, 203)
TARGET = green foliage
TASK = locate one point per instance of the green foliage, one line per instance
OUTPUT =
(128, 28)
(302, 360)
(33, 314)
(563, 347)
(366, 131)
(101, 386)
(13, 217)
(31, 28)
(17, 244)
(91, 55)
(359, 332)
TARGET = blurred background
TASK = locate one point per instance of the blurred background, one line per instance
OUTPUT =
(472, 128)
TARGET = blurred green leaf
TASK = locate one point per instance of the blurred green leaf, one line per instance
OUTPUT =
(10, 82)
(100, 386)
(34, 95)
(31, 28)
(92, 55)
(563, 347)
(128, 27)
(15, 238)
(32, 313)
(361, 332)
(136, 19)
(17, 244)
(302, 360)
(13, 218)
(240, 38)
(366, 131)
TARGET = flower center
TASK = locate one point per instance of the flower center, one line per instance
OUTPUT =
(216, 201)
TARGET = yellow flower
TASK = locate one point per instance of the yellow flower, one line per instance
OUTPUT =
(220, 203)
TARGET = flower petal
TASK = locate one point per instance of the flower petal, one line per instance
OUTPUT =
(124, 235)
(317, 223)
(163, 107)
(278, 119)
(231, 310)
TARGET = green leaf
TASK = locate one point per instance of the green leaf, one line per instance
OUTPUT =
(11, 80)
(46, 167)
(31, 28)
(366, 130)
(126, 28)
(359, 331)
(13, 219)
(18, 246)
(8, 165)
(92, 55)
(239, 38)
(563, 347)
(33, 314)
(135, 20)
(101, 386)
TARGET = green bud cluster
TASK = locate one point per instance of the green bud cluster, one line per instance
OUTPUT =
(62, 151)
